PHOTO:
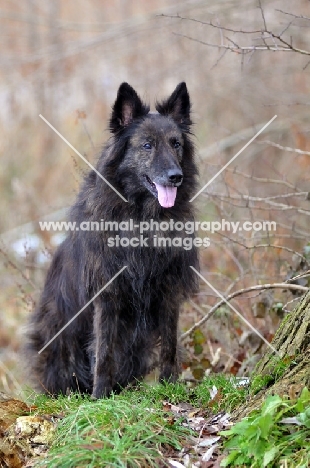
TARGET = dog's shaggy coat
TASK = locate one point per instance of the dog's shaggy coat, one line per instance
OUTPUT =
(149, 159)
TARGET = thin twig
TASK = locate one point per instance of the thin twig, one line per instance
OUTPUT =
(284, 148)
(209, 23)
(262, 199)
(283, 247)
(306, 274)
(291, 14)
(15, 267)
(263, 14)
(268, 201)
(286, 47)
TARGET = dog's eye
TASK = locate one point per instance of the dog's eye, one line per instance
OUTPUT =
(147, 146)
(177, 144)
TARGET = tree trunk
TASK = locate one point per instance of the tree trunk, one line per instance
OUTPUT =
(288, 372)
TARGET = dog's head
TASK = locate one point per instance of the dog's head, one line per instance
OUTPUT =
(155, 142)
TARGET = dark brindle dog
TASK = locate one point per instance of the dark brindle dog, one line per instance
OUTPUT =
(149, 159)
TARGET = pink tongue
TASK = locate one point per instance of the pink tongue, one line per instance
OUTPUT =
(166, 195)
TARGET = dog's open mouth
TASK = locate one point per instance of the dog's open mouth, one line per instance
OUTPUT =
(166, 194)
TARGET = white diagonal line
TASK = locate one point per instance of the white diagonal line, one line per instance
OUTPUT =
(232, 159)
(235, 310)
(82, 157)
(80, 311)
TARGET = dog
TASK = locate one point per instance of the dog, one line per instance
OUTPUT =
(150, 175)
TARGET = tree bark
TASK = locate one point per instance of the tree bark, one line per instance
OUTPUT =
(287, 372)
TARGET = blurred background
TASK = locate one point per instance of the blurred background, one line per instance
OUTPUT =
(243, 62)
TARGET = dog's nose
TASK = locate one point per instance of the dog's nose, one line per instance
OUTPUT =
(175, 176)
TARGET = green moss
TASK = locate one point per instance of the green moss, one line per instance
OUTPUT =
(283, 322)
(272, 373)
(259, 382)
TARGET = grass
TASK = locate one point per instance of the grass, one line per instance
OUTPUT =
(229, 393)
(137, 428)
(122, 431)
(129, 430)
(112, 433)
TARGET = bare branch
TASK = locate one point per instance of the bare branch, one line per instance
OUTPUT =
(268, 201)
(262, 13)
(287, 249)
(262, 199)
(265, 179)
(16, 268)
(293, 287)
(286, 47)
(279, 44)
(294, 16)
(306, 274)
(285, 148)
(209, 23)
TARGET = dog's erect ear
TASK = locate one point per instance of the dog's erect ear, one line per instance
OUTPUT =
(177, 106)
(127, 107)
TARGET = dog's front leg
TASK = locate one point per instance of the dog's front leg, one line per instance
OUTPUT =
(104, 339)
(169, 359)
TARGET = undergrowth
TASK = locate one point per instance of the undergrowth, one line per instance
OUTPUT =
(277, 435)
(127, 430)
(136, 428)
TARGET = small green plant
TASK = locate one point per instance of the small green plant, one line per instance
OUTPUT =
(267, 437)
